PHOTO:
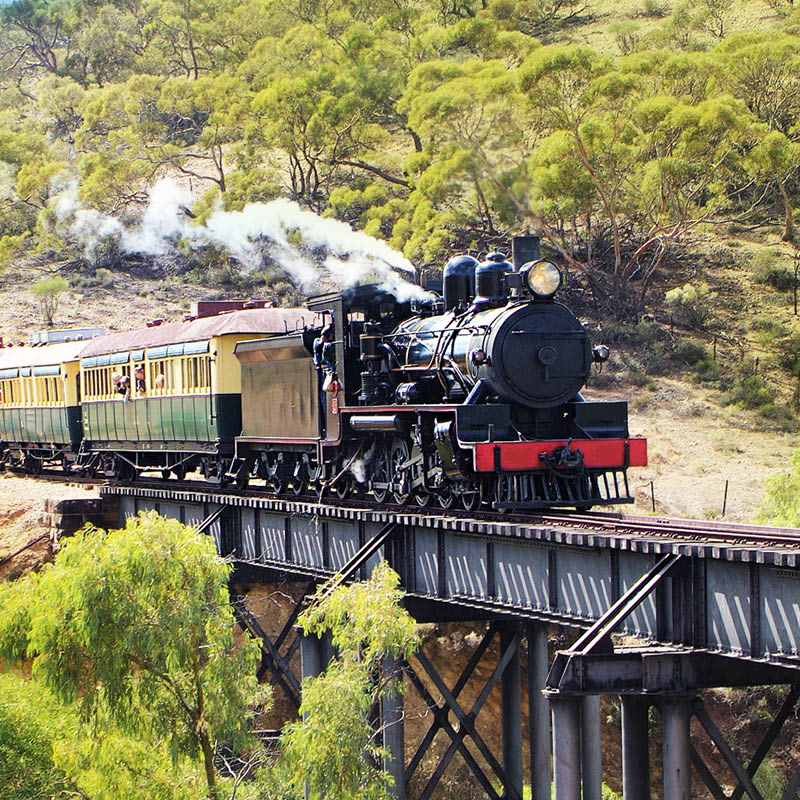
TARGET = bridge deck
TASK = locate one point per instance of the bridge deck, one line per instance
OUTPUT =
(735, 598)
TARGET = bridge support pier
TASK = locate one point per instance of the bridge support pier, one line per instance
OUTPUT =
(676, 713)
(539, 711)
(393, 724)
(511, 689)
(566, 747)
(635, 748)
(591, 748)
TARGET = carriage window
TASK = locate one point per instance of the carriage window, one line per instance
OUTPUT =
(27, 391)
(9, 392)
(97, 382)
(159, 377)
(196, 373)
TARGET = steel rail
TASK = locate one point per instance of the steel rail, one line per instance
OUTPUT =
(610, 522)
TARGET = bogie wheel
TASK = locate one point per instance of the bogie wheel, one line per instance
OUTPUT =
(243, 477)
(471, 500)
(299, 481)
(179, 471)
(165, 473)
(33, 465)
(399, 456)
(124, 470)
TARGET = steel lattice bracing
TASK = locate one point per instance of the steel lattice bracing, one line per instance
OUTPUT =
(725, 599)
(709, 615)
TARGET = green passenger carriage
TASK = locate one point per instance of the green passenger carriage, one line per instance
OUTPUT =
(168, 397)
(40, 419)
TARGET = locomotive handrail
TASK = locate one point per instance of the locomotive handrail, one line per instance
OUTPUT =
(438, 352)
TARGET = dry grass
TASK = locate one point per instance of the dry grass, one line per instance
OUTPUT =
(601, 16)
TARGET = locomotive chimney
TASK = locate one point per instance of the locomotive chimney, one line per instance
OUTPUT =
(524, 249)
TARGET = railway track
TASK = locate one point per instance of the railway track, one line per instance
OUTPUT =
(607, 522)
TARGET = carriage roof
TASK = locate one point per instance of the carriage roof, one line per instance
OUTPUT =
(248, 321)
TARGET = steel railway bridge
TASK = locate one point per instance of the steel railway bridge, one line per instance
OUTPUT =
(702, 606)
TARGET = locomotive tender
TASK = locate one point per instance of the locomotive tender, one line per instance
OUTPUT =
(472, 398)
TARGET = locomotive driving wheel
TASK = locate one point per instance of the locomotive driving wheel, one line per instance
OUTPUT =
(399, 472)
(422, 497)
(380, 471)
(445, 497)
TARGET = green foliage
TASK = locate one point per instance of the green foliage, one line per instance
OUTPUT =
(334, 748)
(770, 267)
(781, 503)
(626, 34)
(29, 723)
(45, 751)
(654, 8)
(689, 352)
(750, 390)
(431, 124)
(691, 304)
(47, 293)
(770, 781)
(135, 626)
(10, 246)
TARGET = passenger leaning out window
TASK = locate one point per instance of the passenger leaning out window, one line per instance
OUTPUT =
(141, 387)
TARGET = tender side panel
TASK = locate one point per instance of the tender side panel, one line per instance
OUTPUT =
(280, 392)
(597, 453)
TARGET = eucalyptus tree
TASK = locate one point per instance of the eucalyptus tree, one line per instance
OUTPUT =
(334, 749)
(136, 628)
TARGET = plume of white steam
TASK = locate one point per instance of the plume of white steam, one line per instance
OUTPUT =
(328, 247)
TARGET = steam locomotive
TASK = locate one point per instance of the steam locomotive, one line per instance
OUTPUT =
(472, 398)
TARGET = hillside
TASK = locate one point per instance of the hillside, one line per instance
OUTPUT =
(654, 144)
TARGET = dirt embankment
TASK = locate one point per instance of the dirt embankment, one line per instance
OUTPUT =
(21, 507)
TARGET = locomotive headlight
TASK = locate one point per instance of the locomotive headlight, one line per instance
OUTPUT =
(600, 354)
(542, 277)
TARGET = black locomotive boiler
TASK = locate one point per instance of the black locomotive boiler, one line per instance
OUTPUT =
(473, 398)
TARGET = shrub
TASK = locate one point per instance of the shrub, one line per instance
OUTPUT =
(637, 375)
(769, 780)
(749, 391)
(768, 268)
(47, 292)
(104, 278)
(288, 293)
(643, 332)
(691, 304)
(626, 35)
(689, 352)
(708, 371)
(654, 8)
